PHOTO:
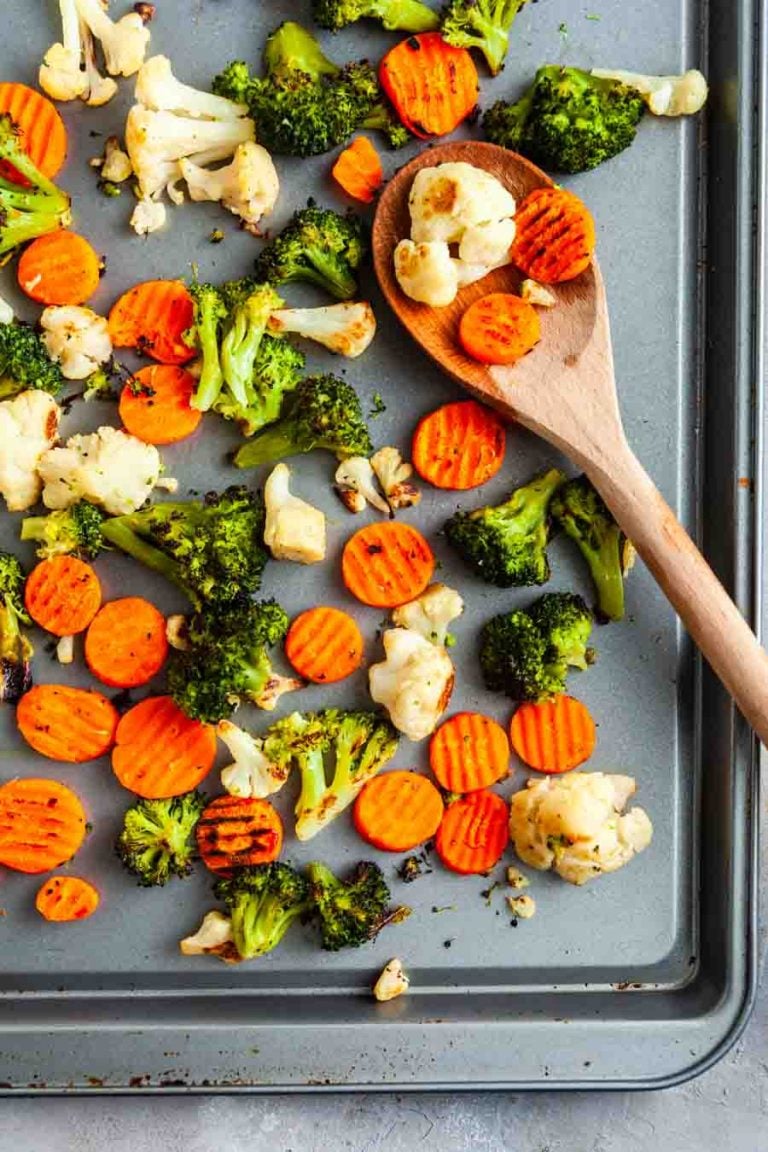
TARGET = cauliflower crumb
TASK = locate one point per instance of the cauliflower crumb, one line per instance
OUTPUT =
(426, 272)
(392, 982)
(516, 879)
(537, 294)
(176, 632)
(29, 424)
(116, 166)
(414, 683)
(213, 937)
(65, 650)
(109, 467)
(394, 475)
(522, 907)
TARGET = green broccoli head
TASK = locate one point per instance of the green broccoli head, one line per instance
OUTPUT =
(395, 15)
(319, 246)
(582, 514)
(31, 211)
(24, 361)
(322, 412)
(205, 335)
(507, 544)
(354, 911)
(15, 649)
(481, 24)
(235, 82)
(250, 306)
(565, 622)
(72, 531)
(277, 370)
(263, 901)
(568, 120)
(157, 839)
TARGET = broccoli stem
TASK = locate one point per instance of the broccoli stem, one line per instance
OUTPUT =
(119, 532)
(272, 443)
(26, 226)
(605, 567)
(239, 350)
(32, 527)
(211, 377)
(327, 274)
(313, 782)
(405, 16)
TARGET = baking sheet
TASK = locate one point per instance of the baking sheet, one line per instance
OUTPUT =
(634, 980)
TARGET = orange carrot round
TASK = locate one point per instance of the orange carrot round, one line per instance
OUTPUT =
(358, 170)
(155, 405)
(474, 833)
(64, 898)
(68, 724)
(42, 824)
(469, 752)
(324, 645)
(62, 595)
(60, 268)
(152, 318)
(388, 564)
(126, 645)
(555, 236)
(234, 832)
(554, 735)
(43, 135)
(432, 85)
(499, 328)
(397, 811)
(159, 752)
(459, 446)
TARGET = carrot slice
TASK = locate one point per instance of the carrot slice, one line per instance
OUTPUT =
(385, 565)
(469, 752)
(324, 645)
(499, 328)
(152, 318)
(62, 595)
(155, 405)
(68, 724)
(159, 752)
(459, 446)
(60, 268)
(474, 833)
(554, 735)
(43, 134)
(42, 824)
(234, 832)
(555, 236)
(397, 811)
(126, 645)
(64, 898)
(358, 170)
(432, 85)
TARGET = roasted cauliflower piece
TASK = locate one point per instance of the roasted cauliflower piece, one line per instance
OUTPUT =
(414, 683)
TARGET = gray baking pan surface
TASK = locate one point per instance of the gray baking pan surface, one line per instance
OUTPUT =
(638, 979)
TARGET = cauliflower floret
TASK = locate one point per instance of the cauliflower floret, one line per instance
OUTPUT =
(248, 186)
(100, 89)
(356, 485)
(252, 773)
(447, 199)
(431, 613)
(124, 42)
(294, 530)
(77, 339)
(115, 165)
(393, 473)
(61, 75)
(392, 982)
(213, 938)
(158, 88)
(574, 824)
(537, 294)
(414, 683)
(347, 328)
(29, 425)
(665, 95)
(108, 467)
(148, 216)
(426, 272)
(488, 243)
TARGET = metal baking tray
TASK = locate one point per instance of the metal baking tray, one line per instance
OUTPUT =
(645, 977)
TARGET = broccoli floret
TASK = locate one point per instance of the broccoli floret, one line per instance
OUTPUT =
(565, 622)
(582, 514)
(319, 246)
(394, 15)
(205, 335)
(26, 212)
(568, 120)
(24, 361)
(277, 371)
(212, 549)
(352, 912)
(321, 412)
(72, 531)
(507, 544)
(250, 306)
(263, 902)
(15, 648)
(157, 839)
(481, 24)
(226, 660)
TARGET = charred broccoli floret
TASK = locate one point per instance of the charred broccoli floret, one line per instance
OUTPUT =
(31, 211)
(321, 412)
(395, 15)
(205, 335)
(157, 839)
(15, 648)
(582, 514)
(249, 306)
(24, 360)
(212, 549)
(277, 371)
(568, 120)
(354, 911)
(319, 246)
(481, 24)
(565, 622)
(263, 902)
(75, 530)
(507, 544)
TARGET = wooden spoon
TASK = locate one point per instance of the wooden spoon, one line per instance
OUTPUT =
(565, 391)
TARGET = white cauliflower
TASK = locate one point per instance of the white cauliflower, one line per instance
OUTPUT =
(252, 773)
(356, 485)
(65, 650)
(62, 75)
(294, 530)
(431, 613)
(394, 474)
(29, 424)
(213, 938)
(347, 328)
(177, 632)
(247, 187)
(537, 294)
(148, 216)
(577, 826)
(414, 683)
(488, 243)
(392, 981)
(115, 165)
(124, 42)
(77, 339)
(6, 312)
(108, 467)
(426, 272)
(446, 200)
(100, 89)
(521, 907)
(665, 95)
(157, 88)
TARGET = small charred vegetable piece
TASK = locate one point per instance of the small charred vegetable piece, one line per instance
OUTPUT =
(565, 622)
(24, 360)
(481, 24)
(263, 902)
(31, 211)
(71, 531)
(581, 512)
(394, 15)
(15, 648)
(352, 912)
(319, 246)
(157, 839)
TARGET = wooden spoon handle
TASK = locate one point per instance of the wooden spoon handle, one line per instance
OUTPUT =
(706, 609)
